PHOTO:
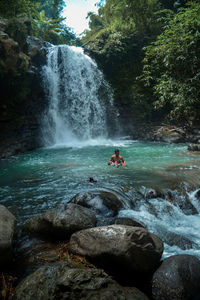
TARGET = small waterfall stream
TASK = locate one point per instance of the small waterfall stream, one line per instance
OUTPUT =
(175, 224)
(78, 97)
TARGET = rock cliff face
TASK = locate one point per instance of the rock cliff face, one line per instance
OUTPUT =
(22, 100)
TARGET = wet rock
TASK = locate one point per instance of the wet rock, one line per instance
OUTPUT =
(128, 222)
(22, 94)
(62, 221)
(36, 50)
(177, 278)
(12, 58)
(197, 194)
(169, 135)
(101, 202)
(194, 147)
(178, 240)
(181, 199)
(7, 228)
(69, 281)
(164, 133)
(149, 193)
(3, 24)
(119, 247)
(104, 221)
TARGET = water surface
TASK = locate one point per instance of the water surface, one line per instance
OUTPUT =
(34, 182)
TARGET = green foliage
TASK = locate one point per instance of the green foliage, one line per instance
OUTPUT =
(44, 16)
(172, 66)
(17, 8)
(46, 28)
(52, 8)
(116, 39)
(168, 85)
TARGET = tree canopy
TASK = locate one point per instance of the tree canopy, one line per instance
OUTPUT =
(149, 51)
(45, 16)
(172, 66)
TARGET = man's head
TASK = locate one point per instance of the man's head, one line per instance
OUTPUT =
(117, 152)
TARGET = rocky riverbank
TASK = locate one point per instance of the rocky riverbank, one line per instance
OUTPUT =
(22, 96)
(165, 133)
(83, 250)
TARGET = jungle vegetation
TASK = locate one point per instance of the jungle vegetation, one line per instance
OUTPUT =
(45, 16)
(150, 53)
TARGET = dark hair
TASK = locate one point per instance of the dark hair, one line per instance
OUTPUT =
(117, 150)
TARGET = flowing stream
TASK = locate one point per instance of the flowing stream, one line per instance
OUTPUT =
(77, 147)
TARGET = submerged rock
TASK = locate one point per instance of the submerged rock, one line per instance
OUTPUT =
(177, 278)
(119, 248)
(102, 202)
(182, 242)
(67, 280)
(62, 221)
(7, 228)
(128, 222)
(149, 193)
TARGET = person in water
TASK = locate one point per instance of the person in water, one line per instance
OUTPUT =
(117, 160)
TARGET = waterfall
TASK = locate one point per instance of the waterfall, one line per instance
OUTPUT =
(78, 97)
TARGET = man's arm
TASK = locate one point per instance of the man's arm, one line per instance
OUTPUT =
(111, 160)
(121, 158)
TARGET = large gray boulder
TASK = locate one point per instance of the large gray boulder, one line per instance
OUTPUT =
(102, 202)
(66, 280)
(119, 247)
(177, 278)
(7, 228)
(62, 221)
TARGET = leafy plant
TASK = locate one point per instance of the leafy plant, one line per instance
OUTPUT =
(172, 66)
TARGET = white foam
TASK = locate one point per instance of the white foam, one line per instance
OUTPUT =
(76, 143)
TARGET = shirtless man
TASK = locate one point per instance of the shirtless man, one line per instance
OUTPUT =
(117, 160)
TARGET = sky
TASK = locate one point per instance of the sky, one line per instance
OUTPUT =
(76, 13)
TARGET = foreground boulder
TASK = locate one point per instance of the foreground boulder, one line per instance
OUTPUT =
(66, 280)
(177, 278)
(102, 202)
(7, 227)
(119, 248)
(62, 221)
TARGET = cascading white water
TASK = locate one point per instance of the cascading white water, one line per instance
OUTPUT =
(177, 229)
(76, 92)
